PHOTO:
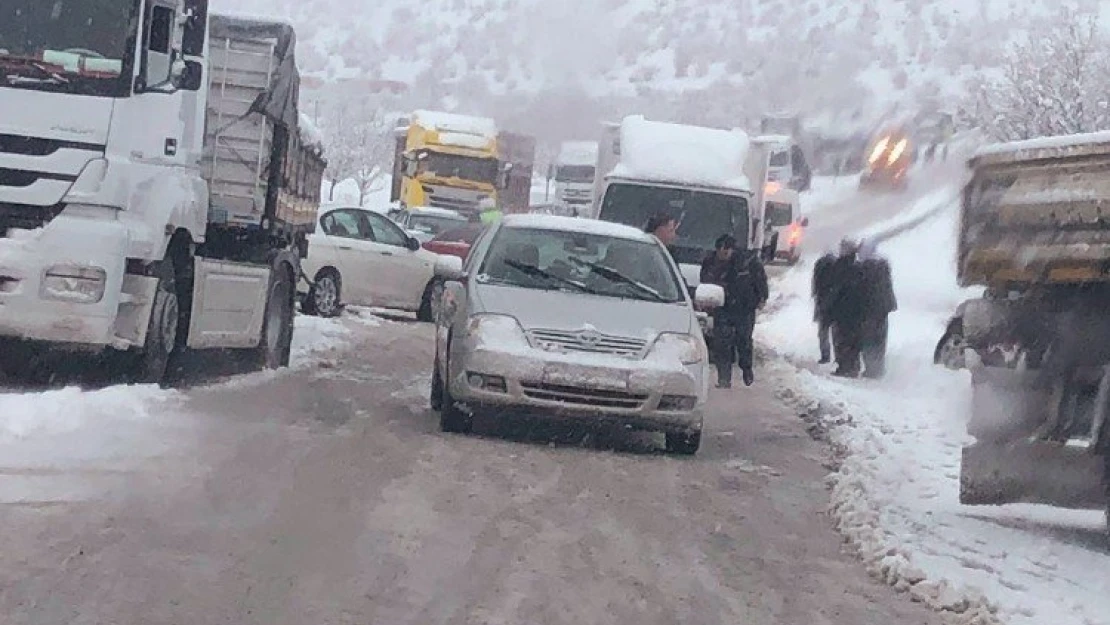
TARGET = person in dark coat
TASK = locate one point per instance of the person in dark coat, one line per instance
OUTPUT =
(821, 293)
(879, 302)
(746, 290)
(846, 309)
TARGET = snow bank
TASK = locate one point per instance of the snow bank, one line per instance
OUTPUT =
(28, 415)
(687, 154)
(895, 491)
(924, 209)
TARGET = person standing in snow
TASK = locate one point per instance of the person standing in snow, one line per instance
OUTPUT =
(714, 270)
(879, 302)
(488, 211)
(846, 309)
(745, 282)
(821, 293)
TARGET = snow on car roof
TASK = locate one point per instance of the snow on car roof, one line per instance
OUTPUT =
(1045, 147)
(456, 124)
(575, 224)
(431, 210)
(696, 155)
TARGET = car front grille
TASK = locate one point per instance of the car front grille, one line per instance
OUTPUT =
(585, 341)
(583, 396)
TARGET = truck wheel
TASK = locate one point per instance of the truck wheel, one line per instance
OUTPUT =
(683, 443)
(323, 297)
(277, 325)
(429, 303)
(161, 334)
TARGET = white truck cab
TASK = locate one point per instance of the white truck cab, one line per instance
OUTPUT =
(573, 171)
(156, 184)
(711, 179)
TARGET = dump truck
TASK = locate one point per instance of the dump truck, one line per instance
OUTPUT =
(517, 154)
(156, 183)
(446, 160)
(1034, 236)
(713, 180)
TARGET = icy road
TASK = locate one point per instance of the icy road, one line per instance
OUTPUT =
(325, 495)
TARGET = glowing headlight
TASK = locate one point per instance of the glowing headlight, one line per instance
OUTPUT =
(686, 348)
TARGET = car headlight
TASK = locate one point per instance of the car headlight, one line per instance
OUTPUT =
(498, 332)
(686, 348)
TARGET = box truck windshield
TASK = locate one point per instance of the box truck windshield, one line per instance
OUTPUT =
(702, 215)
(72, 46)
(583, 174)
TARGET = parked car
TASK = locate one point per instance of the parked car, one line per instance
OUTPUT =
(360, 257)
(456, 242)
(424, 224)
(575, 319)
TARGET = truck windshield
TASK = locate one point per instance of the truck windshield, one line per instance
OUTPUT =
(575, 173)
(73, 46)
(470, 168)
(780, 159)
(702, 216)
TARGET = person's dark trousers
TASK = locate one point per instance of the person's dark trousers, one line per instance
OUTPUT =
(848, 338)
(824, 339)
(874, 347)
(745, 347)
(723, 348)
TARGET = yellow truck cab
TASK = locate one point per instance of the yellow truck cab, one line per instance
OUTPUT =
(444, 160)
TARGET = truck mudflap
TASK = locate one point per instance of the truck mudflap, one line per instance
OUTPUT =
(1055, 474)
(229, 304)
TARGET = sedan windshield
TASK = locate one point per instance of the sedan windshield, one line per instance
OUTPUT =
(702, 216)
(75, 46)
(580, 262)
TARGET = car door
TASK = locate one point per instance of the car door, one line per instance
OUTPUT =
(405, 272)
(355, 253)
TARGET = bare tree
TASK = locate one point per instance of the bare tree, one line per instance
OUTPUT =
(1053, 84)
(360, 145)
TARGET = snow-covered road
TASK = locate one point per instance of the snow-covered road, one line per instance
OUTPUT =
(896, 494)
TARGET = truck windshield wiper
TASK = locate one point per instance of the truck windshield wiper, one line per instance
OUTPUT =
(613, 275)
(47, 75)
(533, 270)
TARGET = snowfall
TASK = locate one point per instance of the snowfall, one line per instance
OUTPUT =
(894, 491)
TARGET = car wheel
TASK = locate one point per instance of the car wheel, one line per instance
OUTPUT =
(452, 418)
(429, 303)
(683, 443)
(323, 297)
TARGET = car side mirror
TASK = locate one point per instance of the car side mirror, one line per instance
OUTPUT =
(412, 243)
(709, 296)
(449, 267)
(805, 222)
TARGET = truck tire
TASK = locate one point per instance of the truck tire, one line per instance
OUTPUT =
(161, 335)
(323, 299)
(273, 352)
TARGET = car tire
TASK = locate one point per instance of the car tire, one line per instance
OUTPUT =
(324, 296)
(452, 419)
(683, 443)
(427, 311)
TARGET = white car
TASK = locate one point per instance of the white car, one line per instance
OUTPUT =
(361, 257)
(785, 225)
(571, 318)
(424, 224)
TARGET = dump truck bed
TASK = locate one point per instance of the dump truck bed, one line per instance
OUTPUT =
(1037, 212)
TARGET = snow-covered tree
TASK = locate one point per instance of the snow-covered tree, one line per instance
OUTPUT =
(1056, 83)
(360, 145)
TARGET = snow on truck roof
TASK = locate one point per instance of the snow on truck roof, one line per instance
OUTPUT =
(456, 124)
(576, 224)
(578, 153)
(1044, 147)
(676, 153)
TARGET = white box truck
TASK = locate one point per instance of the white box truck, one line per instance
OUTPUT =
(574, 171)
(711, 179)
(156, 182)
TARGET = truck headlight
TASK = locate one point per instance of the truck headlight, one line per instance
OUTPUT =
(74, 283)
(686, 348)
(497, 332)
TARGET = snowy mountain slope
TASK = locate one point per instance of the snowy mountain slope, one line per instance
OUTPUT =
(791, 50)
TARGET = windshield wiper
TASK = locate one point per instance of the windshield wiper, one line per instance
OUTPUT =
(48, 75)
(613, 275)
(533, 270)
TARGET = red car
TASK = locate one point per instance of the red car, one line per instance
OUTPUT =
(457, 241)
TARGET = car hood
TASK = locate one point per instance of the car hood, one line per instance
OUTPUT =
(559, 310)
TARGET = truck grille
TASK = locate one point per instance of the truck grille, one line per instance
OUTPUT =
(583, 396)
(37, 146)
(26, 217)
(586, 341)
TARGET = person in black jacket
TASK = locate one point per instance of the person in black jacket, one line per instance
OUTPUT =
(846, 309)
(879, 302)
(746, 290)
(821, 292)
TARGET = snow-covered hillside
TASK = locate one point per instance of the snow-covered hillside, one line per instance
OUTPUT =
(797, 53)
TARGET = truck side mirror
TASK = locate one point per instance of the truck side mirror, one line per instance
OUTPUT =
(191, 77)
(805, 222)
